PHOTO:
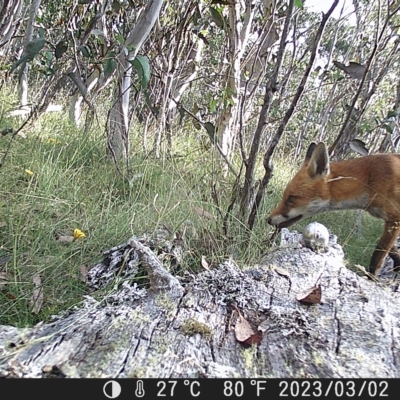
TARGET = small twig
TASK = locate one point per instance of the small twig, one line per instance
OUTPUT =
(230, 166)
(13, 137)
(271, 240)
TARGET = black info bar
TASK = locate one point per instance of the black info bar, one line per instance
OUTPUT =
(202, 388)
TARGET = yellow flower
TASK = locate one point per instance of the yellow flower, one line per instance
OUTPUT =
(52, 140)
(78, 234)
(29, 172)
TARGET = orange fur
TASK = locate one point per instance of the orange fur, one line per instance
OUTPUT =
(370, 183)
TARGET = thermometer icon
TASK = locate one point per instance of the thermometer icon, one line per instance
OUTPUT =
(139, 392)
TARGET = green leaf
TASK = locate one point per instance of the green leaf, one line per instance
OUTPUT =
(142, 66)
(217, 17)
(85, 50)
(388, 128)
(48, 56)
(393, 114)
(110, 65)
(33, 48)
(49, 71)
(299, 4)
(213, 105)
(61, 48)
(116, 6)
(131, 48)
(210, 128)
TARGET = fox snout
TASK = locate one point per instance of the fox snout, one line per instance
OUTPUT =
(271, 221)
(283, 220)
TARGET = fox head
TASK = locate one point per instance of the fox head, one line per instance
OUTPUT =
(308, 192)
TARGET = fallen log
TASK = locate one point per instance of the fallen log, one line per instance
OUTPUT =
(298, 314)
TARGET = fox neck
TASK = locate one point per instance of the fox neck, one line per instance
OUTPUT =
(349, 189)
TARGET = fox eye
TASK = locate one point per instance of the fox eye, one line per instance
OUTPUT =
(291, 199)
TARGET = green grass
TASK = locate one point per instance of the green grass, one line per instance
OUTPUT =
(76, 186)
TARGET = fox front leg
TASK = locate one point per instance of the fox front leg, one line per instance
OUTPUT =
(385, 247)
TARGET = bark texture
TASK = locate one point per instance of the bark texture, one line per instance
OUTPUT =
(189, 326)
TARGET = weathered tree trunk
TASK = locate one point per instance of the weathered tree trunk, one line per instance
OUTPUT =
(23, 82)
(10, 14)
(238, 33)
(118, 124)
(191, 327)
(76, 99)
(180, 56)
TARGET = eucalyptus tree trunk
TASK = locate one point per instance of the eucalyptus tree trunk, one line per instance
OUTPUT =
(174, 87)
(238, 35)
(328, 106)
(118, 121)
(23, 81)
(336, 93)
(95, 81)
(10, 13)
(76, 99)
(260, 54)
(180, 54)
(391, 142)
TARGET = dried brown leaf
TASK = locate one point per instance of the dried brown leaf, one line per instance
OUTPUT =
(4, 278)
(83, 271)
(47, 368)
(65, 238)
(203, 213)
(282, 272)
(311, 295)
(243, 330)
(204, 263)
(36, 300)
(254, 339)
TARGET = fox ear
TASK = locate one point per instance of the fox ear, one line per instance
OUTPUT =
(309, 153)
(318, 165)
(310, 150)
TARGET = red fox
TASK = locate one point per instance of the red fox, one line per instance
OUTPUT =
(370, 183)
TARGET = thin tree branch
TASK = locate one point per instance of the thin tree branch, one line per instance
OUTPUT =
(270, 89)
(275, 139)
(360, 87)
